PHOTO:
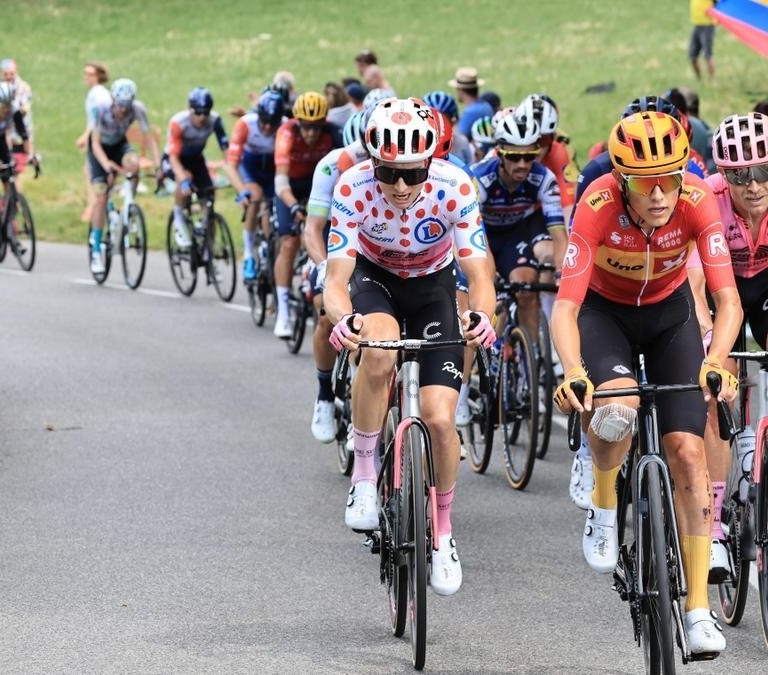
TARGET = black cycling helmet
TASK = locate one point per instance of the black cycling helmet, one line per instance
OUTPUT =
(200, 99)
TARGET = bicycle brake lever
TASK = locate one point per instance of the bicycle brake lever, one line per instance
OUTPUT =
(726, 427)
(574, 417)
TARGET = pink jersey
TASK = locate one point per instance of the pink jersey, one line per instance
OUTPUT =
(747, 256)
(412, 242)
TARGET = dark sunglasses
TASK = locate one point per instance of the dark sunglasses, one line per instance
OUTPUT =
(514, 156)
(745, 175)
(201, 113)
(390, 175)
(311, 126)
(644, 185)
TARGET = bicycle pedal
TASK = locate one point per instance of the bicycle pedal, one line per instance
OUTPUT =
(372, 543)
(704, 656)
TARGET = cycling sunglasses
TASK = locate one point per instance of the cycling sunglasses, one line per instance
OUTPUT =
(390, 175)
(515, 156)
(201, 113)
(745, 175)
(644, 185)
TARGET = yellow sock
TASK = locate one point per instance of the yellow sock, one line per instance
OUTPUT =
(696, 566)
(604, 492)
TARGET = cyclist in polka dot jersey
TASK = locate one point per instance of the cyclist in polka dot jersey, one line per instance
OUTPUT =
(394, 221)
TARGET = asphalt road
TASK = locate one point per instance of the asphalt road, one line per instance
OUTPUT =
(164, 508)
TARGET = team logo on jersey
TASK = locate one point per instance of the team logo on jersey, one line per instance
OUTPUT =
(535, 178)
(478, 240)
(571, 253)
(615, 238)
(693, 194)
(336, 241)
(599, 199)
(429, 230)
(378, 228)
(624, 222)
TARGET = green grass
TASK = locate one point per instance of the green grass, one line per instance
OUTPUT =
(169, 46)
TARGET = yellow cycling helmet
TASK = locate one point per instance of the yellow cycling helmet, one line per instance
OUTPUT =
(648, 143)
(310, 107)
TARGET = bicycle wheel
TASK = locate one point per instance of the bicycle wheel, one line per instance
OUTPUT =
(480, 428)
(518, 407)
(546, 387)
(183, 262)
(22, 234)
(761, 526)
(656, 618)
(105, 252)
(394, 572)
(133, 247)
(343, 418)
(414, 505)
(299, 306)
(222, 265)
(735, 517)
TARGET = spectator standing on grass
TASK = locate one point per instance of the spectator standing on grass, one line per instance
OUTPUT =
(96, 77)
(702, 36)
(340, 108)
(363, 59)
(467, 85)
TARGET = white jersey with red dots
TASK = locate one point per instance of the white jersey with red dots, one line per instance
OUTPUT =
(408, 242)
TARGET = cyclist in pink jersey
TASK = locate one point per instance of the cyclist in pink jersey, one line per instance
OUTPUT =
(740, 187)
(394, 222)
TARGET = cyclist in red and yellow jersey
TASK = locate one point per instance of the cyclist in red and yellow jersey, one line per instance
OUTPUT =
(624, 284)
(300, 144)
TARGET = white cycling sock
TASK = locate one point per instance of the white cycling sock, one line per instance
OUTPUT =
(282, 300)
(247, 244)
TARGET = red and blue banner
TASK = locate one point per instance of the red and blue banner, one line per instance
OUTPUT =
(746, 19)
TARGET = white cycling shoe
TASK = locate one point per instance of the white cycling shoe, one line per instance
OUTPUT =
(362, 513)
(703, 633)
(582, 482)
(600, 542)
(719, 564)
(463, 415)
(323, 421)
(445, 571)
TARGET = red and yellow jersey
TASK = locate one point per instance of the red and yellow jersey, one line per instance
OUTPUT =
(612, 256)
(558, 161)
(291, 151)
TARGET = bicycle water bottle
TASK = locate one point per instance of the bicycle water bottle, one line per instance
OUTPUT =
(263, 254)
(745, 451)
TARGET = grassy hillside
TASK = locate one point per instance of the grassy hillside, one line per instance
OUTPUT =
(169, 46)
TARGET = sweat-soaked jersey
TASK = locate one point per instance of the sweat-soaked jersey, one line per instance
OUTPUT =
(612, 256)
(408, 242)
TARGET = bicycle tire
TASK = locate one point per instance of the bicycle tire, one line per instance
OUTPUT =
(480, 428)
(518, 408)
(414, 494)
(182, 260)
(733, 591)
(656, 614)
(761, 526)
(222, 263)
(546, 377)
(345, 459)
(299, 309)
(394, 572)
(23, 241)
(133, 247)
(258, 292)
(106, 254)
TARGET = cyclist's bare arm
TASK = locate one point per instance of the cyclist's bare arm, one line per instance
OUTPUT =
(314, 241)
(336, 295)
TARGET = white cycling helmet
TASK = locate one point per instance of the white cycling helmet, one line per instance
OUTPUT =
(501, 112)
(374, 96)
(543, 109)
(401, 130)
(123, 91)
(516, 129)
(7, 93)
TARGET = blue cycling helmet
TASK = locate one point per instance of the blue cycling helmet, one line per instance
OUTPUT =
(442, 101)
(354, 127)
(651, 104)
(200, 99)
(270, 107)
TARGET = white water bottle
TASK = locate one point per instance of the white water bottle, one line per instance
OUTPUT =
(745, 451)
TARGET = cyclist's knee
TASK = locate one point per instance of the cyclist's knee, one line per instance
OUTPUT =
(613, 422)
